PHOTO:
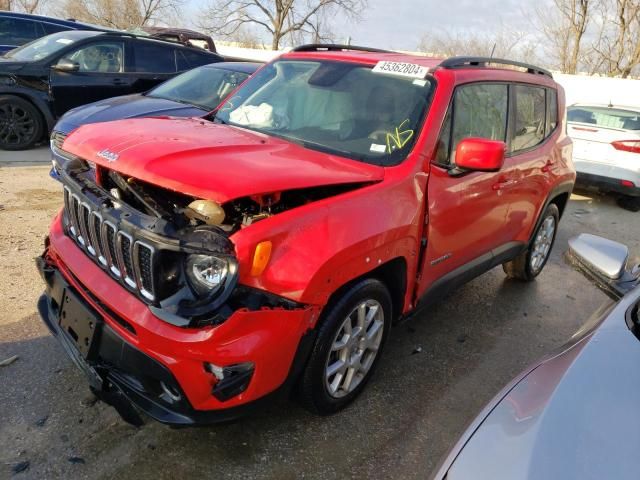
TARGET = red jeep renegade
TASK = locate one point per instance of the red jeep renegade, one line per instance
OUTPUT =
(200, 265)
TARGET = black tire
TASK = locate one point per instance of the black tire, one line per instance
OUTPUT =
(21, 124)
(629, 203)
(521, 267)
(313, 389)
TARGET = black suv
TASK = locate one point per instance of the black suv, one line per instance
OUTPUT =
(19, 28)
(47, 77)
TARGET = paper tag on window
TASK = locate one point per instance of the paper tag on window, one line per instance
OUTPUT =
(377, 148)
(410, 70)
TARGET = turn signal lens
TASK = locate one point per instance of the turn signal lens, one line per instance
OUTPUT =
(261, 258)
(627, 183)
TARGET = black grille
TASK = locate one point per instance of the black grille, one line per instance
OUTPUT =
(127, 259)
(125, 245)
(146, 277)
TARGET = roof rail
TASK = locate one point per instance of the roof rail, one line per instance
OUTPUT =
(332, 47)
(471, 62)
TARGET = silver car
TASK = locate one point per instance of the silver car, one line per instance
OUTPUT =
(574, 414)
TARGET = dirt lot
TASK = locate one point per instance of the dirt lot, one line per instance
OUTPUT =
(471, 344)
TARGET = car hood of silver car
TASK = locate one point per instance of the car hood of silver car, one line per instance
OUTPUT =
(573, 416)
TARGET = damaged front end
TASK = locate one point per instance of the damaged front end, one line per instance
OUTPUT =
(171, 250)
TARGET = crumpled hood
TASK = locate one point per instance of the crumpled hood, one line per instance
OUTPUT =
(127, 106)
(212, 161)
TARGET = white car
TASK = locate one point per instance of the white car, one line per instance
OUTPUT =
(606, 149)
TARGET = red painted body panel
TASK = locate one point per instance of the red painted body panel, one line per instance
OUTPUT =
(269, 338)
(321, 246)
(207, 160)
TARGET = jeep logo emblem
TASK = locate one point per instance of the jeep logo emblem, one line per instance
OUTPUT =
(108, 155)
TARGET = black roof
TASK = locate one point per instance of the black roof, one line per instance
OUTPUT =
(72, 24)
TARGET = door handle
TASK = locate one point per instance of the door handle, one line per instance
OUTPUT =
(119, 81)
(503, 183)
(547, 166)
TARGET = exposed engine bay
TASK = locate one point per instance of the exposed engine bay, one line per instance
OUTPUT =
(182, 210)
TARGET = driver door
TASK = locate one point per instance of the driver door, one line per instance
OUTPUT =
(98, 72)
(467, 212)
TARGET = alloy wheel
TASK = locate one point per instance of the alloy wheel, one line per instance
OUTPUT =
(17, 126)
(354, 348)
(542, 243)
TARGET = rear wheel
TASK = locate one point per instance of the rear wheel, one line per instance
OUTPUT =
(349, 344)
(629, 203)
(530, 263)
(21, 124)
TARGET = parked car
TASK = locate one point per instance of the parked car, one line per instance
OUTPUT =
(607, 149)
(19, 28)
(273, 242)
(183, 35)
(43, 79)
(190, 94)
(573, 414)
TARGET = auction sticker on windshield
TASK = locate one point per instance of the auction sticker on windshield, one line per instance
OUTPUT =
(402, 69)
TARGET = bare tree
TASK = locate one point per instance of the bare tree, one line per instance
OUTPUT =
(564, 26)
(279, 18)
(617, 48)
(27, 6)
(506, 43)
(123, 14)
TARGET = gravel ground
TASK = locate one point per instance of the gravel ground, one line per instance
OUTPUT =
(470, 344)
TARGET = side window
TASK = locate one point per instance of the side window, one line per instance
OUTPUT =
(442, 149)
(190, 58)
(50, 28)
(552, 111)
(15, 31)
(103, 57)
(154, 58)
(479, 110)
(529, 117)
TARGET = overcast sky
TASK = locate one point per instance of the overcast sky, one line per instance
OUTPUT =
(400, 24)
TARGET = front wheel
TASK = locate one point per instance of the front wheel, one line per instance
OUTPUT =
(530, 263)
(350, 339)
(21, 124)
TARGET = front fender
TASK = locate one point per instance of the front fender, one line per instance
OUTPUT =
(322, 246)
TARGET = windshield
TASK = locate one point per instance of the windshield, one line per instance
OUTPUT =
(203, 87)
(342, 108)
(43, 47)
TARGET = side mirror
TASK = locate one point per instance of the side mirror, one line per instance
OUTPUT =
(480, 154)
(66, 65)
(603, 261)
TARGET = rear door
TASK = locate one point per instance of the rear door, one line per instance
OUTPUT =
(530, 161)
(101, 73)
(466, 212)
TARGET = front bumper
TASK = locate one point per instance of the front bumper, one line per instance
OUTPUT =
(276, 341)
